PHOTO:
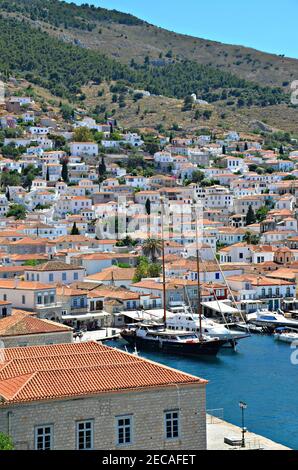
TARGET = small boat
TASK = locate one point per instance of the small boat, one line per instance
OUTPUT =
(157, 338)
(270, 320)
(250, 328)
(287, 335)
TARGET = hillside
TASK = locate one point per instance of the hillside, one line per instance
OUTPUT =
(63, 48)
(126, 37)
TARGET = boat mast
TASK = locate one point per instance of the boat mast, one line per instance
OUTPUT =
(163, 261)
(198, 276)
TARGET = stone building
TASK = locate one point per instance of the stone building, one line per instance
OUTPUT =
(22, 329)
(89, 396)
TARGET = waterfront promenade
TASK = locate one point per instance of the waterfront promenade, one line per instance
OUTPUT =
(218, 430)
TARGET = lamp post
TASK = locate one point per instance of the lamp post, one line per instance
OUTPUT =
(243, 407)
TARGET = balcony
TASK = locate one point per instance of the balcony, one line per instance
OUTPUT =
(48, 305)
(79, 309)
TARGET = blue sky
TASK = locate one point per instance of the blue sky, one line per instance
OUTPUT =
(268, 25)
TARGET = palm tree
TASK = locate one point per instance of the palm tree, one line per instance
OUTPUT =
(152, 248)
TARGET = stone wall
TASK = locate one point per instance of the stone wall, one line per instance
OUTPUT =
(146, 406)
(37, 339)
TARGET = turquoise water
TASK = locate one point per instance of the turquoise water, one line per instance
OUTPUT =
(260, 373)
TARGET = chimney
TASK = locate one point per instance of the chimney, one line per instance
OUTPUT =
(16, 282)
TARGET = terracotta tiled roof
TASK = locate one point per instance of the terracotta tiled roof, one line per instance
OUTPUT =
(113, 273)
(23, 285)
(73, 370)
(23, 324)
(54, 266)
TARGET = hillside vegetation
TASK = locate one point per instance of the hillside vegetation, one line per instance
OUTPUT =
(64, 68)
(126, 37)
(64, 48)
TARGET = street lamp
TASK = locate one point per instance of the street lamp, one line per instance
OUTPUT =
(243, 407)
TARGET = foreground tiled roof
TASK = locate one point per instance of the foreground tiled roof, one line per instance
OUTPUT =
(71, 370)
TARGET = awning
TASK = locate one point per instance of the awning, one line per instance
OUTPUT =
(87, 316)
(220, 307)
(143, 314)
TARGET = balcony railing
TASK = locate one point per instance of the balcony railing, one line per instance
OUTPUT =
(49, 305)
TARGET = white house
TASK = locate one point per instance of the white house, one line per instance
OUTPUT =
(55, 272)
(84, 148)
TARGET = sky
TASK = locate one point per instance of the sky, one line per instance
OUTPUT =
(267, 25)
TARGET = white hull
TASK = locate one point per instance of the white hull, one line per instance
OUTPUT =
(286, 337)
(186, 321)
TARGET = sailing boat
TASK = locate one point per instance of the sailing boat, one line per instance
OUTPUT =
(157, 337)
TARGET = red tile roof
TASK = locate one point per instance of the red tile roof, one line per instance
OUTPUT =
(69, 370)
(23, 324)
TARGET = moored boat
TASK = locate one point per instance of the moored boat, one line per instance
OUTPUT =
(157, 338)
(286, 335)
(271, 320)
(182, 319)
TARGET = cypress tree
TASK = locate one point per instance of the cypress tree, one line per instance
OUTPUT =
(102, 169)
(74, 230)
(250, 216)
(64, 172)
(148, 206)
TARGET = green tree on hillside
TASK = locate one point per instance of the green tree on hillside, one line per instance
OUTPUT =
(261, 213)
(74, 230)
(17, 211)
(64, 171)
(83, 134)
(250, 216)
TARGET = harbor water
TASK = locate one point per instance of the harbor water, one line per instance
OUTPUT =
(260, 373)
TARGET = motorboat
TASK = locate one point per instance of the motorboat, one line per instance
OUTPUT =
(249, 327)
(287, 335)
(271, 320)
(182, 319)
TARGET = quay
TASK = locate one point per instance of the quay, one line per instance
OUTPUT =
(218, 430)
(105, 334)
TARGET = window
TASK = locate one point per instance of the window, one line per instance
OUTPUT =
(288, 292)
(172, 424)
(4, 297)
(44, 437)
(124, 430)
(63, 276)
(75, 276)
(217, 276)
(39, 299)
(23, 299)
(84, 435)
(51, 277)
